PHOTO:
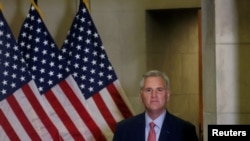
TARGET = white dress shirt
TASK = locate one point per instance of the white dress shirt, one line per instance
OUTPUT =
(158, 124)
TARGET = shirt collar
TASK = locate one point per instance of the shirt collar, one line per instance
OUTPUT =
(158, 121)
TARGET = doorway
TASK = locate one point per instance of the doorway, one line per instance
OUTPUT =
(174, 46)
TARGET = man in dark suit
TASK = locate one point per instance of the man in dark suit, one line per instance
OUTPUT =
(154, 94)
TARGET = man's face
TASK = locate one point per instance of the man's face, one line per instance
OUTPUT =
(154, 95)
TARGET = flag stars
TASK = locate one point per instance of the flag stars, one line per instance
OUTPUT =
(50, 82)
(4, 82)
(38, 30)
(89, 32)
(3, 91)
(40, 89)
(94, 53)
(13, 85)
(39, 20)
(37, 40)
(23, 69)
(82, 19)
(5, 73)
(6, 64)
(76, 65)
(91, 89)
(45, 42)
(100, 83)
(77, 56)
(81, 29)
(51, 73)
(89, 23)
(78, 47)
(8, 36)
(59, 76)
(83, 77)
(14, 66)
(84, 10)
(109, 77)
(84, 68)
(95, 44)
(7, 54)
(13, 76)
(101, 74)
(1, 23)
(60, 57)
(15, 57)
(110, 68)
(87, 41)
(36, 49)
(15, 48)
(43, 61)
(86, 50)
(28, 46)
(7, 45)
(96, 35)
(92, 71)
(42, 71)
(93, 62)
(52, 64)
(30, 37)
(33, 68)
(101, 65)
(91, 80)
(75, 74)
(52, 55)
(30, 27)
(41, 80)
(34, 59)
(102, 56)
(82, 86)
(22, 78)
(26, 25)
(79, 38)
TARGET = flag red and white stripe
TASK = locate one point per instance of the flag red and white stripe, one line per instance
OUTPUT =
(77, 113)
(91, 69)
(22, 112)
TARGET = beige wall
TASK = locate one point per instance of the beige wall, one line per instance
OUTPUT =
(123, 29)
(122, 26)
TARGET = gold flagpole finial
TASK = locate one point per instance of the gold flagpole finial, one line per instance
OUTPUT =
(1, 6)
(87, 4)
(37, 8)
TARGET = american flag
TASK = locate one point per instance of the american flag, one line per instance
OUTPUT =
(58, 89)
(22, 111)
(90, 67)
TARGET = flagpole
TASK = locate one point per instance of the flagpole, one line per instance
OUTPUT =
(1, 6)
(34, 3)
(86, 2)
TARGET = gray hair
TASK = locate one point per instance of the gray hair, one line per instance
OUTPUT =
(155, 73)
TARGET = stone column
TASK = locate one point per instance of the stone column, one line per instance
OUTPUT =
(226, 62)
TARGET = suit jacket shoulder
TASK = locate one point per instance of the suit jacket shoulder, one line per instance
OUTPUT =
(177, 129)
(131, 129)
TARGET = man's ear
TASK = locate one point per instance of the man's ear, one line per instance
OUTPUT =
(168, 95)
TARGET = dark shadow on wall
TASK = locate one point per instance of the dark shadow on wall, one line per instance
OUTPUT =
(172, 41)
(243, 53)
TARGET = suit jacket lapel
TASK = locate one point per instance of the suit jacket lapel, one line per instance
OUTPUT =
(166, 128)
(140, 129)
